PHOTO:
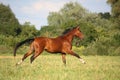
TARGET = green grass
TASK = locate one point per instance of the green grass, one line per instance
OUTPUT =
(50, 67)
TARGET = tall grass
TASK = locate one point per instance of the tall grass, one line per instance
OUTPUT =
(50, 67)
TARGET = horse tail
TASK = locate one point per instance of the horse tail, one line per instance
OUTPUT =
(21, 43)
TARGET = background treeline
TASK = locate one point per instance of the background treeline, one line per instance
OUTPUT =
(101, 30)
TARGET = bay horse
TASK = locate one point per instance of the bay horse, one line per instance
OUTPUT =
(61, 44)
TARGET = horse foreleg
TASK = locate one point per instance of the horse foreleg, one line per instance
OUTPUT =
(76, 55)
(64, 58)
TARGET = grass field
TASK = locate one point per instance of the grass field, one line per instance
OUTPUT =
(50, 67)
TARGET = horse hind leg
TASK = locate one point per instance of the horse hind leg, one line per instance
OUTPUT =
(64, 58)
(25, 56)
(36, 54)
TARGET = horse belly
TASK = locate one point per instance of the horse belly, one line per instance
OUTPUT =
(53, 47)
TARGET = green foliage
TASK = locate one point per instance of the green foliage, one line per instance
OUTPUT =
(107, 44)
(28, 30)
(50, 31)
(11, 32)
(115, 4)
(68, 16)
(79, 50)
(9, 25)
(54, 19)
(105, 15)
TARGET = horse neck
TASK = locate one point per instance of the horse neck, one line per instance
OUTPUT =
(69, 36)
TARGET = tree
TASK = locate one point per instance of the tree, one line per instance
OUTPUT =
(9, 24)
(54, 19)
(105, 15)
(28, 30)
(67, 16)
(115, 4)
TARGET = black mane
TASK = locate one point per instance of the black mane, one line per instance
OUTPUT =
(68, 30)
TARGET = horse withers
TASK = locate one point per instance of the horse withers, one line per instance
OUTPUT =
(61, 44)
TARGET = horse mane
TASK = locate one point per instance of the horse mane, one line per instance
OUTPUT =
(67, 30)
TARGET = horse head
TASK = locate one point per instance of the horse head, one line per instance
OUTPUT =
(78, 33)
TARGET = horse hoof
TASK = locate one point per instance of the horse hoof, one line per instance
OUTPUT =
(16, 64)
(84, 63)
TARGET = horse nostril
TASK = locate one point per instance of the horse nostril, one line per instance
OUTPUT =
(82, 37)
